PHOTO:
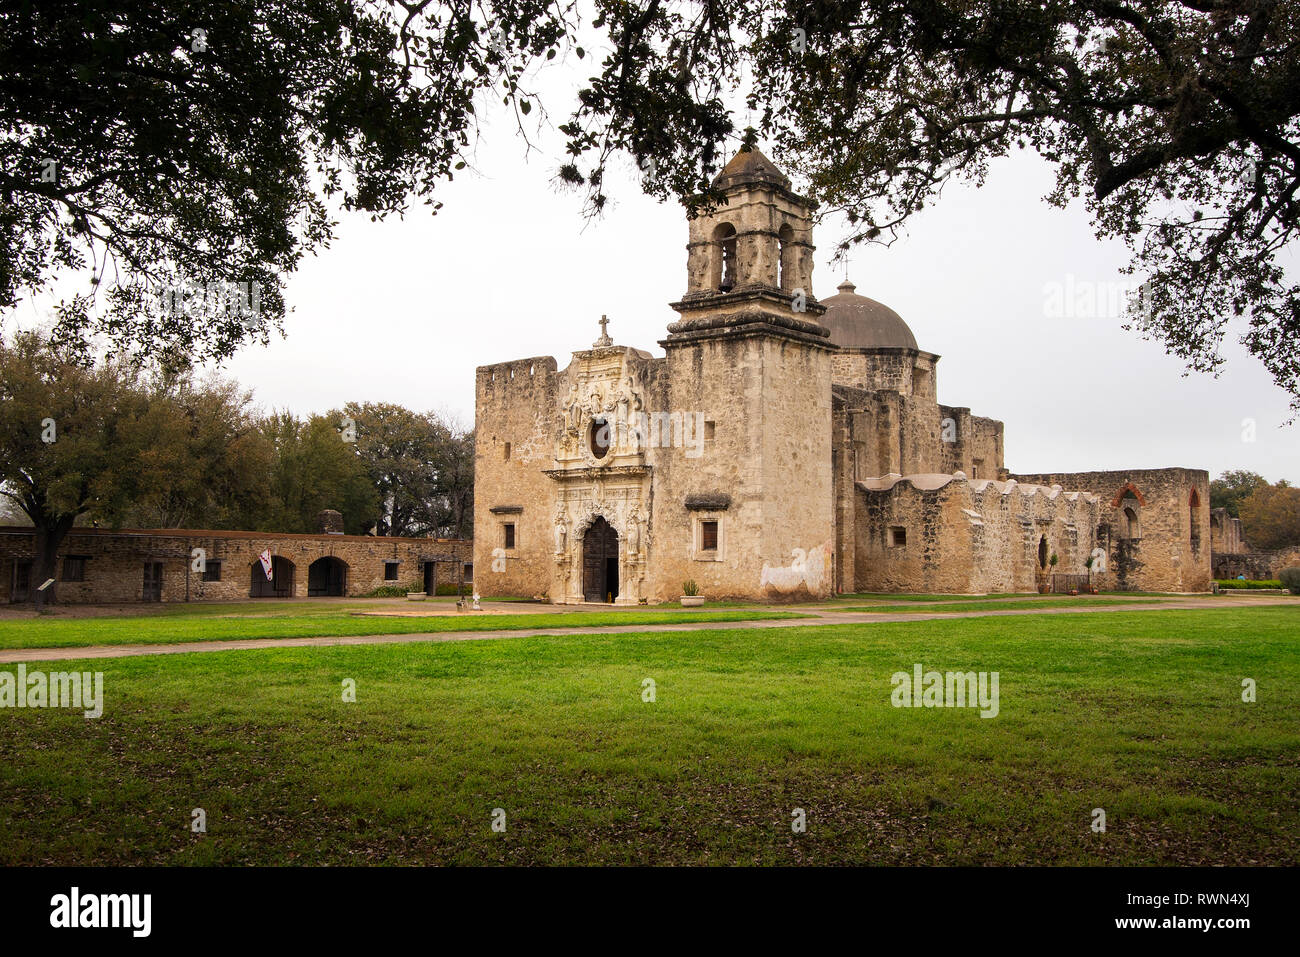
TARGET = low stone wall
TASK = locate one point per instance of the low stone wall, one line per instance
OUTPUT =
(112, 564)
(1257, 565)
(1154, 524)
(947, 534)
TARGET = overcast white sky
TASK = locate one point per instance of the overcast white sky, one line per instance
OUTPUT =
(404, 310)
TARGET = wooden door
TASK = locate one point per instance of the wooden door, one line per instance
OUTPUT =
(153, 580)
(600, 562)
(22, 584)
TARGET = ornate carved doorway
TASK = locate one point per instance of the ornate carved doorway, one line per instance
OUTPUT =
(600, 562)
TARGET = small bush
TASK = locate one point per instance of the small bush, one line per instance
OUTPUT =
(392, 591)
(1229, 583)
(449, 588)
(1290, 578)
(690, 589)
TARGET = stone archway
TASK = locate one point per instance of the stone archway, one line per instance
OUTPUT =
(327, 577)
(280, 584)
(600, 564)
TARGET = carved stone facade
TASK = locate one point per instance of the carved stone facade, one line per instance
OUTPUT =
(783, 448)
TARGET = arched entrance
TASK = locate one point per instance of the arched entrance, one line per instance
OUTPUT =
(600, 562)
(327, 577)
(281, 583)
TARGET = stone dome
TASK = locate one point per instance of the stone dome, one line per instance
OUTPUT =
(748, 167)
(857, 322)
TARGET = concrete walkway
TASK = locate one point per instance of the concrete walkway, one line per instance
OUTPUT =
(821, 615)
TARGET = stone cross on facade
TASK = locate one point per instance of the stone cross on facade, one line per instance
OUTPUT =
(604, 339)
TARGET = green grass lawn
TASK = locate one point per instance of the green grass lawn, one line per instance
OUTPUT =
(892, 597)
(1029, 604)
(1136, 713)
(895, 597)
(310, 623)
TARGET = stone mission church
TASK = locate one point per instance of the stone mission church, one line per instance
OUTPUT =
(788, 448)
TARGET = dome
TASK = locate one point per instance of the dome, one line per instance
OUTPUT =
(750, 166)
(857, 322)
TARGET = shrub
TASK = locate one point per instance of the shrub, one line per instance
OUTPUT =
(399, 591)
(1290, 578)
(690, 589)
(392, 591)
(1229, 583)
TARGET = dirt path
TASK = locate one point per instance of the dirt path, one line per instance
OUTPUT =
(819, 616)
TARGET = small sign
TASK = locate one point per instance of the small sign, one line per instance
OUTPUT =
(48, 583)
(265, 558)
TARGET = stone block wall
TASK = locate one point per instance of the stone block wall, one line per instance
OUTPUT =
(947, 534)
(768, 399)
(515, 405)
(905, 371)
(1257, 565)
(115, 560)
(1170, 548)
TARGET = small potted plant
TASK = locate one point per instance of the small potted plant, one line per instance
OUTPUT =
(1045, 581)
(1091, 561)
(691, 597)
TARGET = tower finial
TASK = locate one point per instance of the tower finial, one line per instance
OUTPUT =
(604, 339)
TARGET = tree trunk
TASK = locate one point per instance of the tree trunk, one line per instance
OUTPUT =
(48, 536)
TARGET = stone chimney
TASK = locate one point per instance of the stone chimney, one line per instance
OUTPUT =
(330, 522)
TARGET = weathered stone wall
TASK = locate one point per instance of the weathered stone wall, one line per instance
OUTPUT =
(114, 570)
(890, 433)
(514, 408)
(770, 458)
(1225, 533)
(896, 427)
(908, 372)
(1171, 548)
(847, 438)
(1257, 565)
(1232, 556)
(967, 536)
(984, 458)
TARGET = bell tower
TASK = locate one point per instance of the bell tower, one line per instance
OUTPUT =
(749, 358)
(750, 261)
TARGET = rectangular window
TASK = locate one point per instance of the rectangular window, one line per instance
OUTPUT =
(710, 430)
(506, 455)
(469, 571)
(508, 536)
(709, 536)
(897, 536)
(390, 571)
(74, 568)
(211, 571)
